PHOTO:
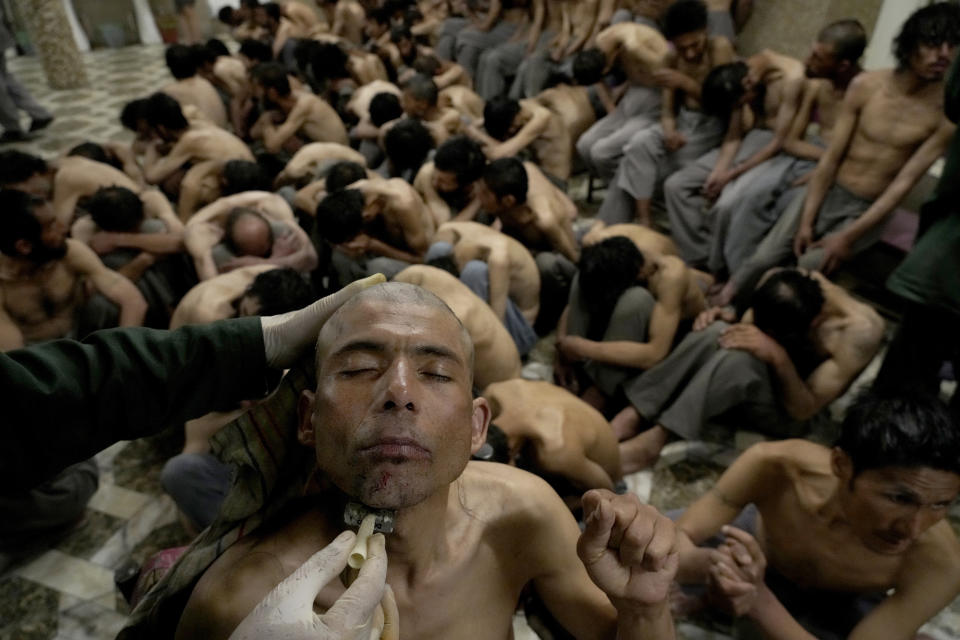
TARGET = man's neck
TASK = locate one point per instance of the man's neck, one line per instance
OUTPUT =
(910, 83)
(842, 80)
(418, 538)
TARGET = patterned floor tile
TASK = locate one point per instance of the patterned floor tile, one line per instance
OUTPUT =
(79, 578)
(28, 611)
(90, 535)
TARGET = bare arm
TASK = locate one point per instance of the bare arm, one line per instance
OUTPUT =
(194, 185)
(199, 241)
(498, 264)
(423, 183)
(796, 141)
(109, 283)
(129, 161)
(161, 169)
(274, 137)
(534, 127)
(493, 15)
(10, 335)
(536, 26)
(586, 32)
(451, 76)
(304, 256)
(785, 117)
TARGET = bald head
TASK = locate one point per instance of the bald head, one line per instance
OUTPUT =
(392, 296)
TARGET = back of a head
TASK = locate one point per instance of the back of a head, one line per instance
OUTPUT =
(272, 9)
(216, 48)
(243, 175)
(19, 223)
(385, 107)
(606, 270)
(273, 75)
(933, 26)
(463, 157)
(683, 17)
(271, 164)
(242, 217)
(249, 4)
(329, 61)
(340, 216)
(507, 177)
(161, 110)
(847, 37)
(428, 65)
(588, 66)
(280, 291)
(344, 174)
(132, 113)
(907, 429)
(407, 144)
(400, 32)
(785, 305)
(498, 117)
(225, 15)
(422, 87)
(17, 166)
(203, 56)
(116, 209)
(256, 50)
(182, 61)
(723, 89)
(91, 151)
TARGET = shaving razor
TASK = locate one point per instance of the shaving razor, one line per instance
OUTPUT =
(355, 512)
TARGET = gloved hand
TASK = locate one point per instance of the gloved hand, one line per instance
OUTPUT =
(287, 335)
(287, 611)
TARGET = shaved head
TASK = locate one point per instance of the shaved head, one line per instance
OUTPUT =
(394, 294)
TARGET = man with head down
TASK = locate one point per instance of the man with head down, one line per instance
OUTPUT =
(393, 424)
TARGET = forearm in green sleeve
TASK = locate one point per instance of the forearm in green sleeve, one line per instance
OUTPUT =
(67, 400)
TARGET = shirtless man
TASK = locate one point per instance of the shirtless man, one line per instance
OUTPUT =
(179, 144)
(637, 50)
(868, 168)
(504, 19)
(624, 314)
(420, 100)
(447, 184)
(302, 16)
(796, 350)
(278, 27)
(513, 127)
(415, 387)
(313, 161)
(496, 357)
(295, 118)
(209, 180)
(116, 154)
(444, 73)
(190, 88)
(346, 18)
(652, 244)
(255, 227)
(751, 204)
(557, 433)
(837, 529)
(377, 226)
(498, 269)
(686, 130)
(42, 276)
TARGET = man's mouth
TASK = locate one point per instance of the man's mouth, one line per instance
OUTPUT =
(398, 449)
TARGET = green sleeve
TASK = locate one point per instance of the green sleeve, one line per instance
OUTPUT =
(67, 400)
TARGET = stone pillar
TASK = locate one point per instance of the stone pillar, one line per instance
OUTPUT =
(51, 35)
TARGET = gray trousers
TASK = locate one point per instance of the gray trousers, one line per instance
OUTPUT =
(687, 208)
(348, 269)
(700, 382)
(839, 209)
(501, 63)
(720, 23)
(471, 43)
(198, 483)
(47, 509)
(629, 321)
(646, 162)
(446, 47)
(749, 207)
(14, 97)
(601, 146)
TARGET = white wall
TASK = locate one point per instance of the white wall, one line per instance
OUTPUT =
(893, 14)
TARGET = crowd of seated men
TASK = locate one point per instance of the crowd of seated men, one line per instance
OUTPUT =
(434, 142)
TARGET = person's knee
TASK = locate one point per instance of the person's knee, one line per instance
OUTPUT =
(673, 185)
(635, 300)
(736, 364)
(183, 475)
(438, 250)
(475, 274)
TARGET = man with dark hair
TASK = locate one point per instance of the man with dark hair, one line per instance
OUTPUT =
(191, 88)
(513, 127)
(180, 144)
(848, 542)
(116, 154)
(868, 169)
(420, 95)
(443, 72)
(280, 29)
(293, 118)
(376, 226)
(761, 188)
(313, 162)
(636, 51)
(689, 126)
(624, 314)
(407, 145)
(207, 181)
(446, 184)
(254, 227)
(798, 348)
(41, 289)
(344, 174)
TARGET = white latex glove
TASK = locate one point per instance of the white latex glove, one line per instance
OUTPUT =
(287, 335)
(287, 611)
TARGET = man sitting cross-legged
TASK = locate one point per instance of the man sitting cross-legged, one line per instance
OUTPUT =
(393, 424)
(853, 538)
(798, 348)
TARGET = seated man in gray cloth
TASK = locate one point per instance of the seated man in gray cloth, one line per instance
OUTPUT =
(391, 424)
(624, 313)
(801, 344)
(827, 533)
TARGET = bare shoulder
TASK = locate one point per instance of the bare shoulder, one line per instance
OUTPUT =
(935, 554)
(866, 83)
(787, 457)
(498, 491)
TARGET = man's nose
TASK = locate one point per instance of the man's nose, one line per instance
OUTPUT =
(912, 525)
(399, 384)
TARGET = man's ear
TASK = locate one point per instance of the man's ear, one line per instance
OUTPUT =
(479, 422)
(23, 246)
(306, 434)
(509, 201)
(842, 465)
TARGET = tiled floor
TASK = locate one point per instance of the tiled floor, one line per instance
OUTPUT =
(66, 590)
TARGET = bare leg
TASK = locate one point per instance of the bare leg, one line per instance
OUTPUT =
(626, 423)
(643, 212)
(642, 451)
